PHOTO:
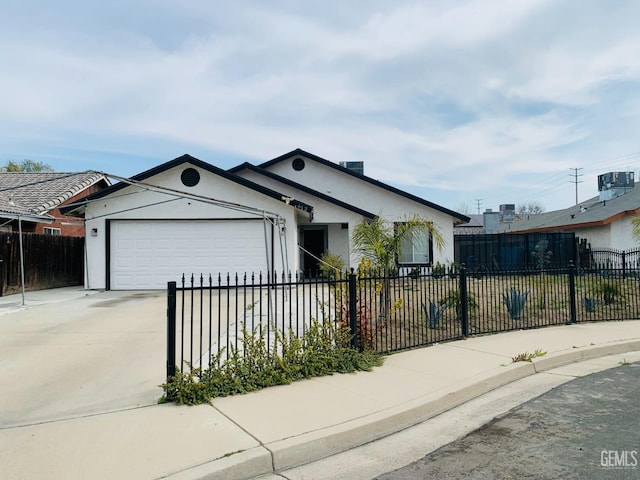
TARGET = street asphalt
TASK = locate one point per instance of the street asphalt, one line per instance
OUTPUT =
(586, 429)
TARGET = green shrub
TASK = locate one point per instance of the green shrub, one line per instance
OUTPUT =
(331, 265)
(453, 299)
(438, 270)
(608, 290)
(322, 350)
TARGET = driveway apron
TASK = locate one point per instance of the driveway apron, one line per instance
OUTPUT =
(98, 353)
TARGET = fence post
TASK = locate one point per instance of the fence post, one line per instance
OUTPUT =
(624, 264)
(464, 311)
(171, 329)
(572, 292)
(353, 311)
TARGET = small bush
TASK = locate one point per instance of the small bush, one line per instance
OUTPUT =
(453, 299)
(331, 265)
(322, 350)
(608, 290)
(438, 270)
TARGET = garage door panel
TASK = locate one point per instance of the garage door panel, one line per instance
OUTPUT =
(146, 254)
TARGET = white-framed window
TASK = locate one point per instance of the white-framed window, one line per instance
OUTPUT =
(52, 231)
(416, 249)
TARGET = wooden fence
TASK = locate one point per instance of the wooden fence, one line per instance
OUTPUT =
(50, 261)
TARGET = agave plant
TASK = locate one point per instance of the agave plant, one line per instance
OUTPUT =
(589, 304)
(515, 302)
(433, 313)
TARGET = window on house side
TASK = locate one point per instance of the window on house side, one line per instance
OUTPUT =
(416, 249)
(52, 231)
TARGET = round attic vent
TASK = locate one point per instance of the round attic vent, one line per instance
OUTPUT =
(190, 177)
(298, 164)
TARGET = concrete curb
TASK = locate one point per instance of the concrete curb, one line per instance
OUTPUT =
(242, 465)
(312, 446)
(559, 359)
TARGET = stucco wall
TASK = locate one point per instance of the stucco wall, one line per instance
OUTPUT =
(617, 235)
(622, 234)
(598, 237)
(390, 206)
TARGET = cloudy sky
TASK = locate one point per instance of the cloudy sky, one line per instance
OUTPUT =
(468, 102)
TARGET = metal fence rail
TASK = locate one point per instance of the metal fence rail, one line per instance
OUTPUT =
(386, 312)
(603, 259)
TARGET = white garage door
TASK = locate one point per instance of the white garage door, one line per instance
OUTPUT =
(146, 254)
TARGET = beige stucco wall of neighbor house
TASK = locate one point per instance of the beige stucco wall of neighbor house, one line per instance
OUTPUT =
(390, 206)
(617, 235)
(137, 203)
(597, 237)
(622, 234)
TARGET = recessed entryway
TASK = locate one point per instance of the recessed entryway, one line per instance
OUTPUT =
(314, 242)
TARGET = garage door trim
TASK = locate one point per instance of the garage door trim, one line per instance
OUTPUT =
(108, 246)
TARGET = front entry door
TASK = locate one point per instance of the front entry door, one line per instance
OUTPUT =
(314, 244)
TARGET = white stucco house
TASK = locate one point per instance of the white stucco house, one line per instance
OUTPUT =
(188, 216)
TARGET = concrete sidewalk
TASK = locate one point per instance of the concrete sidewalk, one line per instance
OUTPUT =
(282, 427)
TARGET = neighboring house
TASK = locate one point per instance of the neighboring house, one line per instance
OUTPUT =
(34, 200)
(187, 216)
(475, 226)
(603, 221)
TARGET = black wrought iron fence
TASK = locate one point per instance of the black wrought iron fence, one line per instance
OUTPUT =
(624, 262)
(208, 317)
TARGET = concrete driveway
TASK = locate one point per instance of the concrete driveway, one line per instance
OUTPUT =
(82, 356)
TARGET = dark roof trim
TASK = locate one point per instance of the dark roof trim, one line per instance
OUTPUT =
(305, 189)
(140, 177)
(397, 191)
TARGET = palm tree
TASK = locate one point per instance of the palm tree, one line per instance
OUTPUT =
(382, 242)
(635, 223)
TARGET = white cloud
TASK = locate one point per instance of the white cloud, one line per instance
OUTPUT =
(505, 93)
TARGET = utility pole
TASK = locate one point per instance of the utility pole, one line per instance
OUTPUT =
(575, 176)
(478, 204)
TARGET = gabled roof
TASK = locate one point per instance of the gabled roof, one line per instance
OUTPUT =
(591, 213)
(36, 193)
(184, 159)
(298, 186)
(301, 153)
